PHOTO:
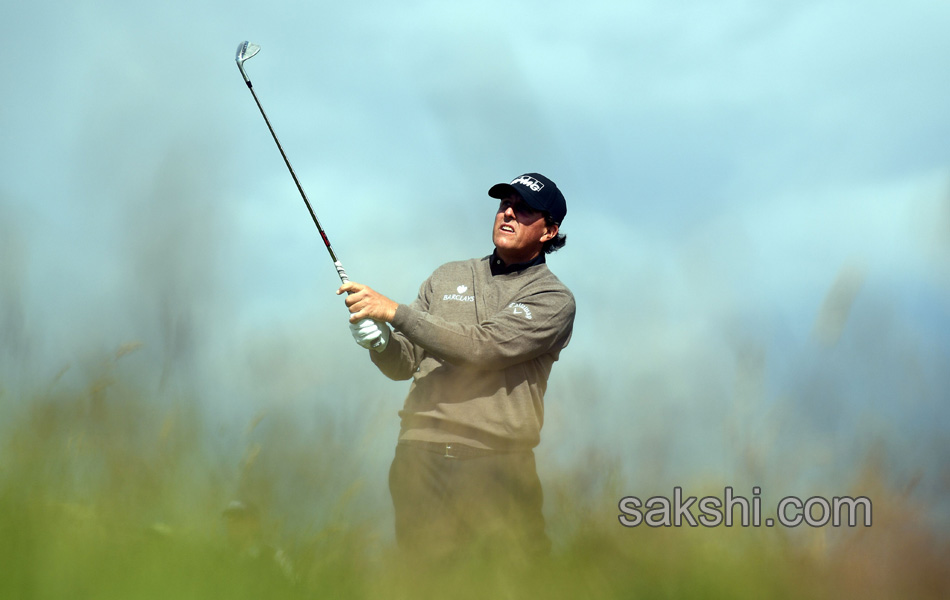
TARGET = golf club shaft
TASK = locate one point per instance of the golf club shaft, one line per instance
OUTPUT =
(336, 263)
(245, 51)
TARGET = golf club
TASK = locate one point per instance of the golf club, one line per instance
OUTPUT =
(245, 51)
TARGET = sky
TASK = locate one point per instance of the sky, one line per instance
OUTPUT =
(758, 211)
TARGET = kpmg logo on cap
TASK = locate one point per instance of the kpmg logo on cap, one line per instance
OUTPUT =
(529, 182)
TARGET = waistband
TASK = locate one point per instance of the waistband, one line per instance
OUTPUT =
(458, 451)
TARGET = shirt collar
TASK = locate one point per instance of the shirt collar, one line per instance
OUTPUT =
(498, 266)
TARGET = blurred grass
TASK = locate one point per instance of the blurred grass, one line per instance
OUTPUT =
(111, 490)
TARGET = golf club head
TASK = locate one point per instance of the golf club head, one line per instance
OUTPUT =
(245, 50)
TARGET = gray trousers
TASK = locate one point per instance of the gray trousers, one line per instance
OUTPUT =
(483, 503)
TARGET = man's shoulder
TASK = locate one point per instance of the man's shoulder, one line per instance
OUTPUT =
(456, 266)
(538, 285)
(545, 277)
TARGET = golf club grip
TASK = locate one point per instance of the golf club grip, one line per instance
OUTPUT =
(341, 271)
(344, 278)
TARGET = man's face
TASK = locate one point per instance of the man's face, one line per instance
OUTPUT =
(519, 231)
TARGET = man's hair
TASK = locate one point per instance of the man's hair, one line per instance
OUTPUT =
(557, 242)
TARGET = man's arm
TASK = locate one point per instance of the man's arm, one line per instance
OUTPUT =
(400, 358)
(533, 325)
(528, 328)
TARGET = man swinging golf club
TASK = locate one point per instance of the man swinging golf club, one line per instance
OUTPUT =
(478, 342)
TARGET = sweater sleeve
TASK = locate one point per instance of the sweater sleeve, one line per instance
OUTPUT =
(401, 357)
(535, 324)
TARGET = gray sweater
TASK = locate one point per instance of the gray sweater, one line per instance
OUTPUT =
(479, 349)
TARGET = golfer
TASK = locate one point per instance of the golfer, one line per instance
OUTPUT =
(478, 343)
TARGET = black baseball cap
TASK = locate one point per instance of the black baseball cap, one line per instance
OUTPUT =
(538, 192)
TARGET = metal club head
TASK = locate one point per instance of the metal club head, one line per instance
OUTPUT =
(245, 50)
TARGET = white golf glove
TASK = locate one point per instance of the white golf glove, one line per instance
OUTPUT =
(371, 334)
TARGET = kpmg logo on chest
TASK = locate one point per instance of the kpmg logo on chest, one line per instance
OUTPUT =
(459, 297)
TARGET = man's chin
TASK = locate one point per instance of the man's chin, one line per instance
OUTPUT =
(503, 240)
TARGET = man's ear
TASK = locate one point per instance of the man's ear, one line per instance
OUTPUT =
(551, 233)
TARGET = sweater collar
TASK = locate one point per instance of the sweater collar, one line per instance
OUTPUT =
(498, 266)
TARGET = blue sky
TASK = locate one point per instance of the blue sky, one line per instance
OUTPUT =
(724, 165)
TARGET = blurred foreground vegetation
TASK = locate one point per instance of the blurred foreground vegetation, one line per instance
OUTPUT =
(109, 490)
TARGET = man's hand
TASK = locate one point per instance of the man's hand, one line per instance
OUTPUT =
(371, 334)
(365, 303)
